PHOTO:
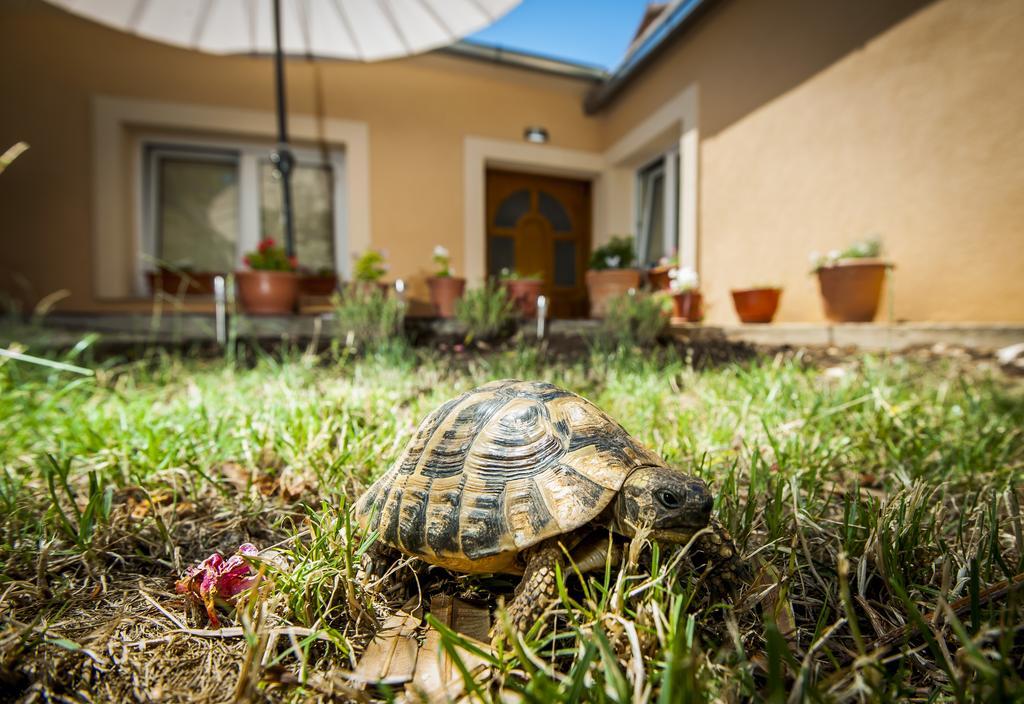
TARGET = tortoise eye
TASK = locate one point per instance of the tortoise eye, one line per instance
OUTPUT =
(668, 499)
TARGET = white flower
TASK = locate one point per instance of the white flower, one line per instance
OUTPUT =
(834, 254)
(613, 261)
(814, 258)
(441, 252)
(683, 279)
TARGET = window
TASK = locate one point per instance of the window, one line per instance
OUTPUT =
(207, 204)
(197, 210)
(313, 222)
(657, 209)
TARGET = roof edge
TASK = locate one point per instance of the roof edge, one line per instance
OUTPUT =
(660, 35)
(514, 58)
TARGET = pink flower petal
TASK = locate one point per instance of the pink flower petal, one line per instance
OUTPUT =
(217, 577)
(235, 577)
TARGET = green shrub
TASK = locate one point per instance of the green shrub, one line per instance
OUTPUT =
(370, 266)
(636, 320)
(619, 253)
(368, 318)
(507, 274)
(487, 312)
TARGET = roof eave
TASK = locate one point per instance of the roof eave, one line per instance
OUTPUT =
(680, 19)
(525, 60)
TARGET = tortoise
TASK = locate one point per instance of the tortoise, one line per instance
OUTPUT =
(501, 478)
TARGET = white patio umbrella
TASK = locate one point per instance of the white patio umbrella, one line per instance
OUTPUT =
(360, 30)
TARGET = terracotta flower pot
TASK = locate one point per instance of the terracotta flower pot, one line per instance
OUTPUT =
(318, 284)
(523, 293)
(657, 277)
(688, 306)
(604, 285)
(268, 292)
(851, 289)
(756, 305)
(189, 283)
(444, 292)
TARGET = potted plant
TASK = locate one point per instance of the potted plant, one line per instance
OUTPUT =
(370, 267)
(851, 281)
(687, 301)
(657, 276)
(321, 282)
(270, 285)
(523, 290)
(445, 288)
(756, 304)
(181, 280)
(610, 274)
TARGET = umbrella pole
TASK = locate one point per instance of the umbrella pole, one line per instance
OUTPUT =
(282, 158)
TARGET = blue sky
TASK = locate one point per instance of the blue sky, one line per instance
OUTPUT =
(588, 31)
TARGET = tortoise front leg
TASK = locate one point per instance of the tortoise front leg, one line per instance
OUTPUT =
(538, 588)
(377, 560)
(716, 556)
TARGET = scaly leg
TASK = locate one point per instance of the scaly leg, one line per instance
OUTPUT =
(377, 559)
(539, 587)
(716, 556)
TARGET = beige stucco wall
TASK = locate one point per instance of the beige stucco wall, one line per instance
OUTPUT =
(418, 112)
(819, 123)
(823, 122)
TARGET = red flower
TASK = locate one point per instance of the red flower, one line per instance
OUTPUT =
(245, 260)
(266, 244)
(293, 261)
(216, 578)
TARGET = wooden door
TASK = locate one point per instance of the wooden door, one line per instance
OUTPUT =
(541, 225)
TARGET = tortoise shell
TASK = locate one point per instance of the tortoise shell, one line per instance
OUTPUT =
(499, 469)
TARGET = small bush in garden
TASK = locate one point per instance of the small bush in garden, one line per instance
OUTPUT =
(507, 274)
(636, 320)
(616, 254)
(370, 266)
(368, 318)
(486, 312)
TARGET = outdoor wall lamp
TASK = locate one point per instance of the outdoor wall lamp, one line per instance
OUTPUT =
(536, 135)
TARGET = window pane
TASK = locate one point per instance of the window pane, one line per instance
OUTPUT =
(502, 255)
(656, 228)
(565, 263)
(198, 213)
(313, 209)
(512, 208)
(551, 209)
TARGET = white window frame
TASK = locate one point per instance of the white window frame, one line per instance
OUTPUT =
(248, 155)
(668, 164)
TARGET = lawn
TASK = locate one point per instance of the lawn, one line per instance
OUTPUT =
(876, 499)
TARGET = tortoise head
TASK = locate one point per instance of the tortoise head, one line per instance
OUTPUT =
(673, 504)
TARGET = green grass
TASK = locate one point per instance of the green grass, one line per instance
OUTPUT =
(868, 501)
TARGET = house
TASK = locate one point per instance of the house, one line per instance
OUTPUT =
(742, 134)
